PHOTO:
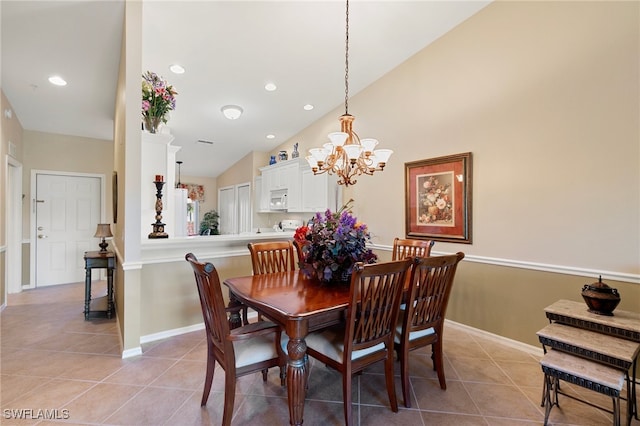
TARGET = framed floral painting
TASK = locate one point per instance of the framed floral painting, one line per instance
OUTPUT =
(438, 198)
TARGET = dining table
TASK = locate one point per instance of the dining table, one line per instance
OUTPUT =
(298, 304)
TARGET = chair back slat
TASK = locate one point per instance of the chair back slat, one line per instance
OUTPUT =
(300, 251)
(430, 289)
(376, 291)
(269, 257)
(403, 248)
(213, 308)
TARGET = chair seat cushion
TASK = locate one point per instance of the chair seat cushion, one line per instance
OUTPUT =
(330, 342)
(256, 349)
(412, 335)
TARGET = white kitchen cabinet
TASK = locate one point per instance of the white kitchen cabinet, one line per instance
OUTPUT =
(291, 173)
(283, 176)
(319, 192)
(306, 192)
(261, 189)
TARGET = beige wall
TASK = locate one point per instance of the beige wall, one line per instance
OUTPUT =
(171, 296)
(241, 172)
(64, 153)
(546, 97)
(10, 132)
(545, 103)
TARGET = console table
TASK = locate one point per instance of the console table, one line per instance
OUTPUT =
(102, 306)
(610, 341)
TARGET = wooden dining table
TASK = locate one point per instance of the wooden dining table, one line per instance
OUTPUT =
(300, 305)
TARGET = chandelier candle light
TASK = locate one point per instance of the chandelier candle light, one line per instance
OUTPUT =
(346, 154)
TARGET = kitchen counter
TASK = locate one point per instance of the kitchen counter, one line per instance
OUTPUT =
(205, 246)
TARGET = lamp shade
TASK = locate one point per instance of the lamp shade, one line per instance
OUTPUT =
(103, 231)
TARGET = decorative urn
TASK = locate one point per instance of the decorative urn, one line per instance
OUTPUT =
(600, 298)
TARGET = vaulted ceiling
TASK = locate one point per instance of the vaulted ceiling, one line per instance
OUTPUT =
(229, 49)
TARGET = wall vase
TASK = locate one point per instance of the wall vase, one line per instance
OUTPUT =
(151, 124)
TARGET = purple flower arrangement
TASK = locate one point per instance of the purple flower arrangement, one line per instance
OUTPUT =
(332, 243)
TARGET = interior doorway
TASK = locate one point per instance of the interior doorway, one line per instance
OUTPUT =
(66, 207)
(13, 273)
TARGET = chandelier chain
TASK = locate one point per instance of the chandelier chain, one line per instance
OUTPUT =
(346, 63)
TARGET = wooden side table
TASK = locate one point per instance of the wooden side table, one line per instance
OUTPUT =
(101, 306)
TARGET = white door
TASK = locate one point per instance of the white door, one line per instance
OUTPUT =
(67, 211)
(227, 210)
(244, 207)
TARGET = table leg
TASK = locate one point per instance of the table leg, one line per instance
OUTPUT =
(296, 379)
(87, 292)
(109, 292)
(234, 312)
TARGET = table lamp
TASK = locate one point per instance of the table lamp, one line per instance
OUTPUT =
(103, 231)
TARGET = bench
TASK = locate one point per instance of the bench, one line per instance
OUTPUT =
(557, 365)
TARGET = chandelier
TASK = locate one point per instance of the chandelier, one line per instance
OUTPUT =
(346, 155)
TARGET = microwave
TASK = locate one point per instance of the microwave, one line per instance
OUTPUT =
(278, 199)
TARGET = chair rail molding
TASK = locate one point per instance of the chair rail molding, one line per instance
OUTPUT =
(545, 267)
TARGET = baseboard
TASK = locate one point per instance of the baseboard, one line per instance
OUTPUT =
(171, 333)
(533, 350)
(129, 353)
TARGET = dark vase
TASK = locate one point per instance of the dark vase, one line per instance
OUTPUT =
(600, 298)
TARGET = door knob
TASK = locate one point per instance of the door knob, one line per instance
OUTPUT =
(41, 236)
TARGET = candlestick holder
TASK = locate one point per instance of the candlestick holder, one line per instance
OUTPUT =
(158, 227)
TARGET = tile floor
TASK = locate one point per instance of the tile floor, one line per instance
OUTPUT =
(68, 370)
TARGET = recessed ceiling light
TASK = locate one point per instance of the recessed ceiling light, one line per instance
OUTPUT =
(232, 112)
(177, 69)
(308, 107)
(270, 87)
(57, 80)
(271, 136)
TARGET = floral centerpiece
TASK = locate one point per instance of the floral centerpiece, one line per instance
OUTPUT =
(332, 243)
(158, 98)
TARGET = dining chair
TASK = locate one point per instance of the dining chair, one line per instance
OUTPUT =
(299, 250)
(241, 351)
(366, 337)
(403, 248)
(271, 256)
(268, 257)
(421, 320)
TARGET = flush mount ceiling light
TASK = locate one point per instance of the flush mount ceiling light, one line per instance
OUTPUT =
(270, 136)
(346, 154)
(232, 112)
(176, 69)
(57, 80)
(270, 87)
(308, 107)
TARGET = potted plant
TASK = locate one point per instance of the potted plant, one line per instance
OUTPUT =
(209, 223)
